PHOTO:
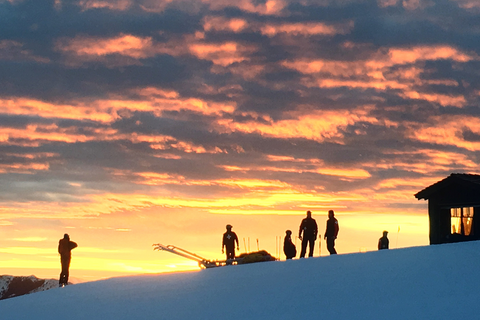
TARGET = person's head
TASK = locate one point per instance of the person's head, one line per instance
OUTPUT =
(66, 236)
(229, 227)
(309, 214)
(385, 232)
(288, 232)
(331, 214)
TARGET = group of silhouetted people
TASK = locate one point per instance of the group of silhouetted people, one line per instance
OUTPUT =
(308, 234)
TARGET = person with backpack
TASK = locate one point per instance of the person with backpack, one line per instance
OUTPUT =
(383, 241)
(309, 229)
(65, 247)
(288, 246)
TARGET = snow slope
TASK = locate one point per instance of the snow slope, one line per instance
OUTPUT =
(433, 282)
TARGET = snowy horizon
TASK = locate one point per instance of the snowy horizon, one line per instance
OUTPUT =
(430, 282)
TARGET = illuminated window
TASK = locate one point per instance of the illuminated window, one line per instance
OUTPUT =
(461, 220)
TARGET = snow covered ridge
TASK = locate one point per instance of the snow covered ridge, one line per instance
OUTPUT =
(432, 282)
(12, 286)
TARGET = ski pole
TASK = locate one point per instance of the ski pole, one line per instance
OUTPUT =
(396, 242)
(320, 247)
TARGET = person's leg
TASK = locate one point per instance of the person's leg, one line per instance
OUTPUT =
(61, 279)
(230, 254)
(304, 248)
(331, 245)
(66, 271)
(65, 261)
(311, 244)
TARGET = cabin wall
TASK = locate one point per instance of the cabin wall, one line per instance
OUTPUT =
(476, 223)
(439, 218)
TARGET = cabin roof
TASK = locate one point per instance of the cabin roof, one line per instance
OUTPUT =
(467, 180)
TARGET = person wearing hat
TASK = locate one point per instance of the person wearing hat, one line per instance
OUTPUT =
(228, 242)
(383, 241)
(288, 246)
(309, 229)
(65, 247)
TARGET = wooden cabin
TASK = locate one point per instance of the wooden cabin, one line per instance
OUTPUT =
(453, 205)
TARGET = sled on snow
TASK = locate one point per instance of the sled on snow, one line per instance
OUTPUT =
(244, 258)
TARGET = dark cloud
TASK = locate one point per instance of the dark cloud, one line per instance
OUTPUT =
(55, 82)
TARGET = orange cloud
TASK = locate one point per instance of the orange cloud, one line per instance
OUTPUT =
(314, 165)
(317, 125)
(79, 111)
(134, 48)
(224, 24)
(376, 72)
(107, 110)
(379, 62)
(416, 4)
(410, 183)
(422, 53)
(36, 134)
(447, 130)
(442, 99)
(123, 44)
(29, 168)
(423, 161)
(158, 100)
(309, 28)
(120, 5)
(468, 4)
(221, 54)
(387, 3)
(268, 7)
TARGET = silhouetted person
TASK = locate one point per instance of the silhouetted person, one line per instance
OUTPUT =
(288, 246)
(228, 242)
(65, 247)
(331, 232)
(383, 241)
(309, 229)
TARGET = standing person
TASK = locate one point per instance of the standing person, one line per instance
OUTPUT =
(65, 247)
(310, 229)
(228, 242)
(288, 246)
(383, 241)
(331, 232)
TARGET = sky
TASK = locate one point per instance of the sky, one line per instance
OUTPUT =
(128, 123)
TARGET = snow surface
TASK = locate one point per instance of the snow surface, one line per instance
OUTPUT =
(433, 282)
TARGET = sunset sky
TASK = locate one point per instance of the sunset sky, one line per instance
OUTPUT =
(127, 123)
